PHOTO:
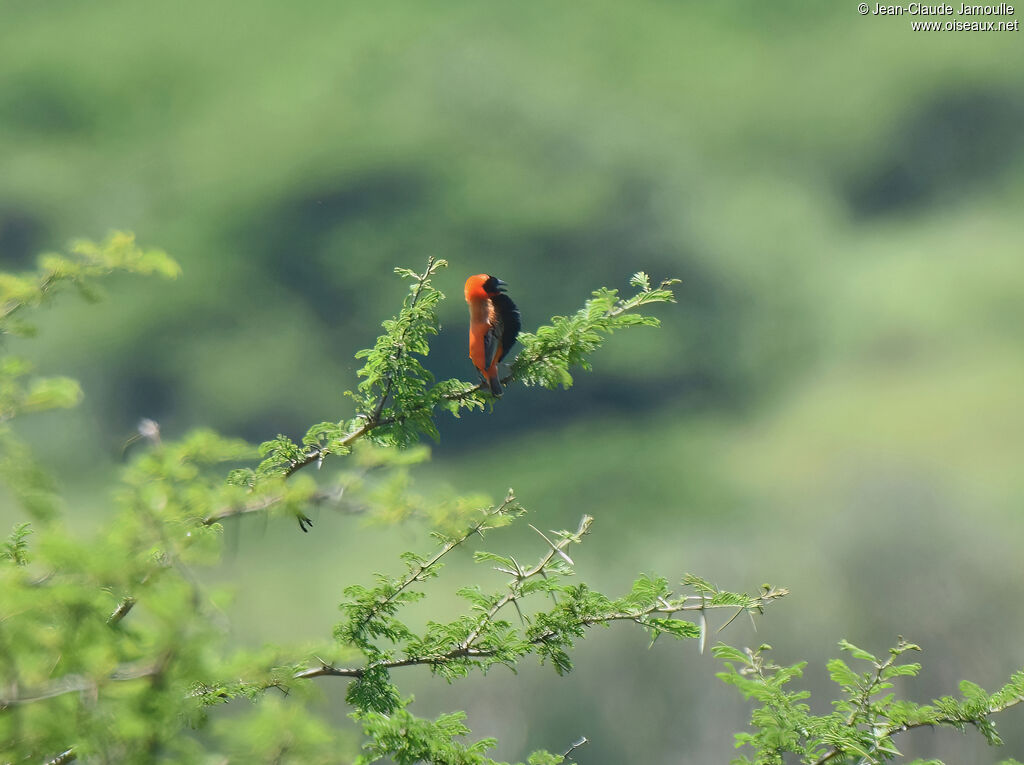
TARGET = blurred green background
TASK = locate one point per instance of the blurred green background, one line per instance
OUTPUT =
(834, 405)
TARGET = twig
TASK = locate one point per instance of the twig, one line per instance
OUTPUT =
(68, 755)
(465, 651)
(316, 454)
(894, 730)
(123, 609)
(416, 574)
(80, 684)
(14, 306)
(514, 587)
(582, 740)
(266, 503)
(624, 306)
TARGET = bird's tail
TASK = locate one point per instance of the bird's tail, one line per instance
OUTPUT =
(495, 384)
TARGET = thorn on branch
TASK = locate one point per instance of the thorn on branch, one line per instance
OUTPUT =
(703, 631)
(582, 740)
(554, 547)
(732, 618)
(147, 430)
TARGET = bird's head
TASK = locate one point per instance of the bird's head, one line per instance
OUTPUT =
(483, 286)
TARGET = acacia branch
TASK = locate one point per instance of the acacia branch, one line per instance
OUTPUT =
(622, 307)
(582, 740)
(14, 306)
(317, 498)
(374, 420)
(420, 570)
(68, 755)
(895, 730)
(521, 576)
(316, 454)
(462, 651)
(81, 684)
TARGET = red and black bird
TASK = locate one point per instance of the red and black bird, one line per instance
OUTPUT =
(494, 324)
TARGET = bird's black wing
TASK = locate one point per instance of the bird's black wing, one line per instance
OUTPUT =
(507, 325)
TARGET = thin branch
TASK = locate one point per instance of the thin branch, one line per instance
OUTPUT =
(417, 574)
(464, 651)
(14, 306)
(123, 609)
(316, 454)
(317, 498)
(374, 421)
(80, 684)
(582, 740)
(895, 730)
(624, 306)
(421, 283)
(68, 755)
(514, 591)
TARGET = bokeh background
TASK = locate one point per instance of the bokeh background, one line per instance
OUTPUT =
(834, 405)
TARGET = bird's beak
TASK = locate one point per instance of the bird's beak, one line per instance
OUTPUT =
(502, 286)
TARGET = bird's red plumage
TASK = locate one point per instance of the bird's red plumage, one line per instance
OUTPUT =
(493, 326)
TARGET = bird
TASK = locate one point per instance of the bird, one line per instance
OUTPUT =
(494, 324)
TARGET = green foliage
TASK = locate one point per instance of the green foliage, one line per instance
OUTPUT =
(23, 393)
(397, 398)
(865, 717)
(394, 391)
(85, 262)
(15, 549)
(406, 739)
(552, 351)
(485, 636)
(110, 648)
(280, 730)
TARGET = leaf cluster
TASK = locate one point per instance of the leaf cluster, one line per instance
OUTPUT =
(405, 739)
(21, 391)
(550, 353)
(79, 268)
(865, 718)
